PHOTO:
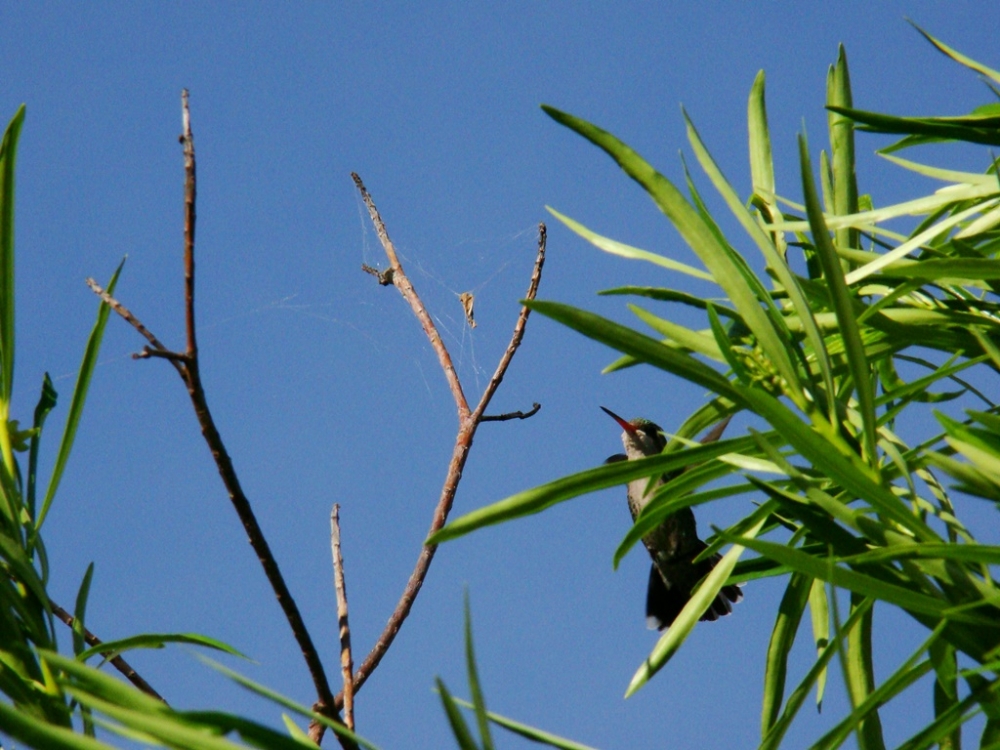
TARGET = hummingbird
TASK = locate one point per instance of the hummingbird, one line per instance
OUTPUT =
(674, 544)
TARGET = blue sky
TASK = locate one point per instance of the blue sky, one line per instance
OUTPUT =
(321, 381)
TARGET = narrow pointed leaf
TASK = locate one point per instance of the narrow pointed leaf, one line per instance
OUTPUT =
(845, 183)
(338, 728)
(80, 611)
(31, 732)
(798, 696)
(959, 57)
(843, 306)
(79, 397)
(697, 341)
(772, 256)
(463, 735)
(158, 640)
(8, 163)
(544, 496)
(528, 732)
(786, 626)
(475, 690)
(46, 403)
(819, 614)
(858, 582)
(681, 628)
(622, 250)
(692, 228)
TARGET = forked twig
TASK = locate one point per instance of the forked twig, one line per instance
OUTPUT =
(468, 421)
(118, 307)
(187, 366)
(116, 661)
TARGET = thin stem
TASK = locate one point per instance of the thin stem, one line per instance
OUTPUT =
(187, 366)
(116, 661)
(468, 423)
(512, 414)
(119, 308)
(346, 660)
(400, 280)
(190, 195)
(522, 321)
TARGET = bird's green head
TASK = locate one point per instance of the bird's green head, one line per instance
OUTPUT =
(642, 437)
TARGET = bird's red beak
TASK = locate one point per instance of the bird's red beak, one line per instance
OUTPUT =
(625, 425)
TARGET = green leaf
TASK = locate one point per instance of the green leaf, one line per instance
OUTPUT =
(255, 734)
(80, 611)
(463, 735)
(672, 295)
(798, 696)
(336, 727)
(531, 733)
(718, 259)
(959, 57)
(8, 163)
(158, 640)
(968, 553)
(627, 251)
(35, 732)
(294, 729)
(169, 729)
(937, 173)
(843, 305)
(971, 128)
(819, 611)
(857, 582)
(859, 676)
(478, 701)
(46, 403)
(79, 397)
(845, 184)
(761, 159)
(700, 600)
(697, 341)
(783, 634)
(545, 496)
(960, 270)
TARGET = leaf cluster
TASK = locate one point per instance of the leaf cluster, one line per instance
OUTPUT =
(850, 326)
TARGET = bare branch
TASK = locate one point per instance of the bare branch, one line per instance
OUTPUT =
(177, 358)
(400, 280)
(187, 366)
(511, 415)
(190, 194)
(346, 660)
(522, 321)
(468, 423)
(116, 661)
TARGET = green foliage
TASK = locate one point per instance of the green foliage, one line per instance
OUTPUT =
(850, 327)
(44, 689)
(460, 728)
